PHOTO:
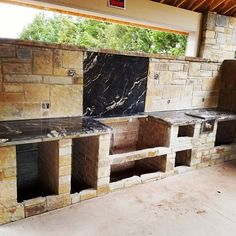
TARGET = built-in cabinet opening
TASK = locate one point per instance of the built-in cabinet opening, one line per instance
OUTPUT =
(186, 131)
(34, 173)
(84, 163)
(183, 158)
(137, 168)
(226, 133)
(137, 133)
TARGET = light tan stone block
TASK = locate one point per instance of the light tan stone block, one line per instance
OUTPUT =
(65, 142)
(11, 110)
(75, 198)
(172, 92)
(32, 110)
(8, 190)
(7, 51)
(12, 97)
(87, 194)
(65, 150)
(13, 88)
(64, 170)
(57, 80)
(58, 201)
(116, 185)
(36, 92)
(150, 177)
(7, 157)
(65, 160)
(16, 68)
(72, 59)
(194, 68)
(12, 214)
(101, 190)
(129, 182)
(42, 62)
(23, 78)
(35, 206)
(66, 99)
(165, 77)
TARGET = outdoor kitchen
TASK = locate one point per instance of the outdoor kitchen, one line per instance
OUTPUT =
(79, 123)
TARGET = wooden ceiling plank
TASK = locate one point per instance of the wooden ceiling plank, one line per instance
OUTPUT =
(181, 3)
(175, 2)
(191, 4)
(217, 5)
(233, 12)
(225, 6)
(228, 10)
(198, 5)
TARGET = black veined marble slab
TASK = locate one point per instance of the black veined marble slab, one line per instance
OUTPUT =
(114, 84)
(23, 130)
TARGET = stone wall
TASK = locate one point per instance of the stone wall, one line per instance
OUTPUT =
(218, 37)
(182, 84)
(32, 73)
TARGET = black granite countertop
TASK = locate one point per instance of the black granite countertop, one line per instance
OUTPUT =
(192, 116)
(39, 130)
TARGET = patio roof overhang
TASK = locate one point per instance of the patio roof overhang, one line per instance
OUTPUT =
(152, 14)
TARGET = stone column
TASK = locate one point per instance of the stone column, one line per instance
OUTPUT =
(10, 210)
(103, 165)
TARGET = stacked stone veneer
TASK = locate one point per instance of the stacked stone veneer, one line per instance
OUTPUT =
(32, 73)
(182, 84)
(218, 37)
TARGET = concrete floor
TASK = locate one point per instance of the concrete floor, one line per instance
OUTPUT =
(202, 202)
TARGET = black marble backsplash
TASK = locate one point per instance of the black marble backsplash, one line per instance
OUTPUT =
(114, 84)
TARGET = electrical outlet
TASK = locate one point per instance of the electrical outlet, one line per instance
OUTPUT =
(45, 106)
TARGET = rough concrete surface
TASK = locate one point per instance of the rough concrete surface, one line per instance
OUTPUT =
(202, 202)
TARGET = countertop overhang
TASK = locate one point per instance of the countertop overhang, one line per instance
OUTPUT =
(42, 130)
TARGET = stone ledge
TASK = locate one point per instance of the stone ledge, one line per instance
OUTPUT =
(84, 49)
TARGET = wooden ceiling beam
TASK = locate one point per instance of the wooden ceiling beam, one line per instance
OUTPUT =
(175, 2)
(213, 7)
(181, 3)
(233, 12)
(226, 6)
(191, 4)
(199, 4)
(229, 9)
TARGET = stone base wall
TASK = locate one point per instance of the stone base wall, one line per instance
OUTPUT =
(218, 37)
(55, 169)
(183, 154)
